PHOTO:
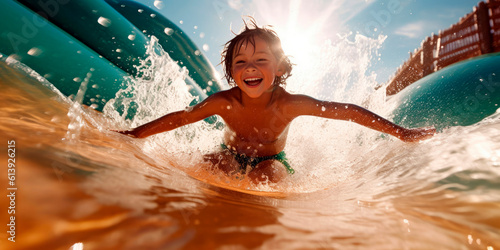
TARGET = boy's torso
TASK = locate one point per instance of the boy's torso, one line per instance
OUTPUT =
(256, 130)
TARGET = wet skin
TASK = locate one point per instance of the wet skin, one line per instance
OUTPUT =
(257, 114)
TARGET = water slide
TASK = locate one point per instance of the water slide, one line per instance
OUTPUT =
(461, 94)
(94, 45)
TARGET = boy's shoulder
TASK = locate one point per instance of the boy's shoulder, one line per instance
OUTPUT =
(225, 96)
(290, 98)
(283, 97)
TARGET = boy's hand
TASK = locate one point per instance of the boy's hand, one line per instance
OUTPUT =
(126, 132)
(418, 134)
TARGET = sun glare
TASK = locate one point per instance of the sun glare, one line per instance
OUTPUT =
(299, 24)
(298, 46)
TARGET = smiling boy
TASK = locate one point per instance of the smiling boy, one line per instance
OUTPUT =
(258, 111)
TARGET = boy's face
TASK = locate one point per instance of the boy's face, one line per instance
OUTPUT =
(254, 68)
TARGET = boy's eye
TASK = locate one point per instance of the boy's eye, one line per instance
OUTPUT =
(240, 61)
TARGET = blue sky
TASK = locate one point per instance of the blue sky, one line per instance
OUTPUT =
(405, 22)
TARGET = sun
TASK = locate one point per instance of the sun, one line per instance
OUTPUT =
(299, 38)
(298, 46)
(303, 27)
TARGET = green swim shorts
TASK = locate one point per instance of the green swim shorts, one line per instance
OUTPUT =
(244, 160)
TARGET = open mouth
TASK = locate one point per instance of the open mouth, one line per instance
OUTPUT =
(253, 81)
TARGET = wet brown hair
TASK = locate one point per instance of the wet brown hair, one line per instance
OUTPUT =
(250, 31)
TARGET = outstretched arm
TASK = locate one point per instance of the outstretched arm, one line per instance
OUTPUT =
(305, 105)
(371, 120)
(165, 123)
(208, 107)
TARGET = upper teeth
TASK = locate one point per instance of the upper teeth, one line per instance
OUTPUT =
(252, 79)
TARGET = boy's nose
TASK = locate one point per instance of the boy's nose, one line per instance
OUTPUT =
(250, 67)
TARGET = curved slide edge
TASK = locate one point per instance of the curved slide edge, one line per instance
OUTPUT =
(67, 62)
(173, 40)
(119, 31)
(98, 26)
(461, 94)
(62, 60)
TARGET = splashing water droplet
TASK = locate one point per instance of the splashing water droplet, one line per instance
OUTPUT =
(104, 21)
(34, 51)
(169, 31)
(158, 4)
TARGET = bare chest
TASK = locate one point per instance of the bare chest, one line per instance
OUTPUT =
(264, 130)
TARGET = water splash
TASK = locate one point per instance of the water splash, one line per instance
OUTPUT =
(340, 74)
(159, 88)
(383, 193)
(75, 113)
(324, 149)
(151, 94)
